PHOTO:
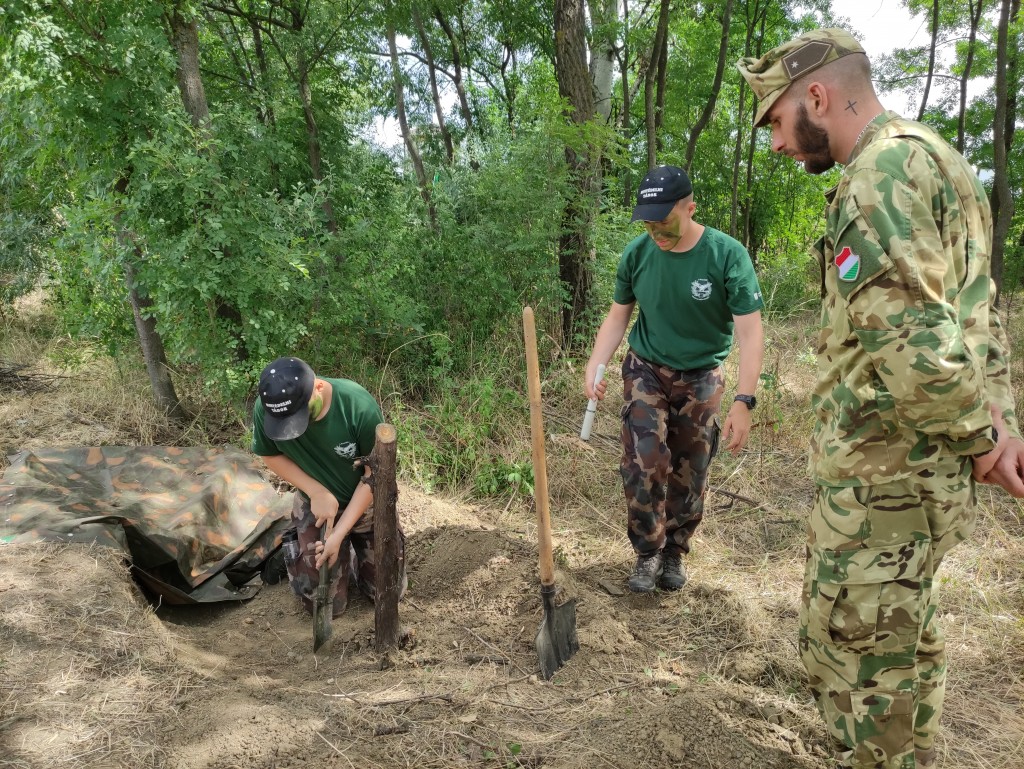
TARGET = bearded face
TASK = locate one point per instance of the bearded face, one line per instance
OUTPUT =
(812, 143)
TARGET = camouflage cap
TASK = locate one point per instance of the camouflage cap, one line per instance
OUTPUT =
(770, 75)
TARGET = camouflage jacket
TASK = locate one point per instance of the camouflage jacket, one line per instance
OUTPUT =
(911, 351)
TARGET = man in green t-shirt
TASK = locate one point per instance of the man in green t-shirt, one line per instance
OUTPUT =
(309, 430)
(692, 285)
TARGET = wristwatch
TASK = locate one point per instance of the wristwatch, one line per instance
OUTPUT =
(750, 400)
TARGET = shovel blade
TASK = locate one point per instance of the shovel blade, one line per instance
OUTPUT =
(322, 611)
(556, 638)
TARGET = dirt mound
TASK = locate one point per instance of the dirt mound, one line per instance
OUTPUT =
(101, 681)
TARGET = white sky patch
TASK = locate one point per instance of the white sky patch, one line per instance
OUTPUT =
(883, 25)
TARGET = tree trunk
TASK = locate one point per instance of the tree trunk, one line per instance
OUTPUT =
(152, 345)
(650, 112)
(709, 106)
(508, 85)
(460, 88)
(190, 82)
(185, 38)
(737, 156)
(313, 139)
(961, 123)
(624, 122)
(604, 14)
(931, 59)
(388, 584)
(410, 145)
(1001, 145)
(575, 250)
(446, 137)
(747, 239)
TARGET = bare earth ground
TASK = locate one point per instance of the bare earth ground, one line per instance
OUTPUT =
(707, 678)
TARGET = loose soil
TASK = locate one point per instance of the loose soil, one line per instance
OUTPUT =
(104, 680)
(93, 675)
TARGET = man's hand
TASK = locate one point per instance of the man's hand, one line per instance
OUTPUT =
(984, 464)
(1008, 470)
(328, 551)
(588, 383)
(324, 507)
(737, 427)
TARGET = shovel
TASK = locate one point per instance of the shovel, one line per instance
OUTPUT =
(322, 608)
(556, 637)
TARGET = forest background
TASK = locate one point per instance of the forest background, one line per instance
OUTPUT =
(196, 188)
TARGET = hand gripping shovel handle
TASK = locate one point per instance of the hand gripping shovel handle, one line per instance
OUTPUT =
(540, 474)
(322, 610)
(588, 417)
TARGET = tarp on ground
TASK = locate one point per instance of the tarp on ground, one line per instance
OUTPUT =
(196, 523)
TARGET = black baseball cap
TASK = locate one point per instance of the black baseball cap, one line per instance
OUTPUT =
(660, 190)
(286, 386)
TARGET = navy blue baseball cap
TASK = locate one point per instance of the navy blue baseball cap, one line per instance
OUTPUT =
(660, 190)
(286, 386)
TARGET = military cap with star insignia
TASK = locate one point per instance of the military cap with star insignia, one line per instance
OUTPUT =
(770, 75)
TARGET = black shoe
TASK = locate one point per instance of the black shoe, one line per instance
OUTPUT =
(645, 574)
(673, 574)
(274, 569)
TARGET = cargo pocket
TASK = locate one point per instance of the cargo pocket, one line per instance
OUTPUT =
(868, 601)
(715, 432)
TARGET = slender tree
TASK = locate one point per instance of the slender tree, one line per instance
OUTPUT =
(575, 249)
(931, 59)
(709, 105)
(1002, 130)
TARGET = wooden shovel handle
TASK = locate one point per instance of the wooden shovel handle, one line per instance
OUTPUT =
(540, 473)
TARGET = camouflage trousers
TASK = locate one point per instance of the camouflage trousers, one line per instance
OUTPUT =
(355, 559)
(869, 637)
(669, 437)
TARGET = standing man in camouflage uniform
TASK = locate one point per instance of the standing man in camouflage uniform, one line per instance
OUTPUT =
(309, 431)
(692, 285)
(913, 394)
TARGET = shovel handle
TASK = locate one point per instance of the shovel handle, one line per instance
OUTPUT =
(540, 473)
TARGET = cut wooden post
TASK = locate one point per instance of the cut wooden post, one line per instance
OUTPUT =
(387, 632)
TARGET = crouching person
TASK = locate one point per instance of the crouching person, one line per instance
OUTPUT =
(309, 431)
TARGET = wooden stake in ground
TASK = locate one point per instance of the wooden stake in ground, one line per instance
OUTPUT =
(387, 632)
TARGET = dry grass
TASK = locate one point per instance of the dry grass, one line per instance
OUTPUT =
(92, 400)
(89, 673)
(709, 677)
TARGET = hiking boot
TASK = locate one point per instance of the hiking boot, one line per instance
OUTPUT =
(673, 573)
(645, 574)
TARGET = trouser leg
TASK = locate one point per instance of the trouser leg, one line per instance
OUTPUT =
(692, 438)
(645, 455)
(868, 635)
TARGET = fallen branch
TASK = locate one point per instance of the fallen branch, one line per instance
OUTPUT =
(13, 378)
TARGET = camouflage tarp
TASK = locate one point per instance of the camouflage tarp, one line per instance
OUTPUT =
(197, 523)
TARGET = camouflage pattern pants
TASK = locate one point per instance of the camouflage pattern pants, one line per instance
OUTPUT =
(355, 559)
(669, 437)
(869, 637)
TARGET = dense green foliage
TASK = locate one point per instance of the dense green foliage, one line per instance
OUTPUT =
(259, 217)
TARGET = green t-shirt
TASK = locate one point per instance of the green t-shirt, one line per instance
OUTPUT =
(326, 449)
(686, 301)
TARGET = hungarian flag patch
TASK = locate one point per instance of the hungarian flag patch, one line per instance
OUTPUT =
(848, 264)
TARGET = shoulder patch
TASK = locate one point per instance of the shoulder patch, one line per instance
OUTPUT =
(848, 264)
(859, 257)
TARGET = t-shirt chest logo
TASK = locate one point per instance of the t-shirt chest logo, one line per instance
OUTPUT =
(347, 450)
(701, 289)
(848, 264)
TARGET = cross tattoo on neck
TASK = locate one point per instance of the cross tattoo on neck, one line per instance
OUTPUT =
(849, 106)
